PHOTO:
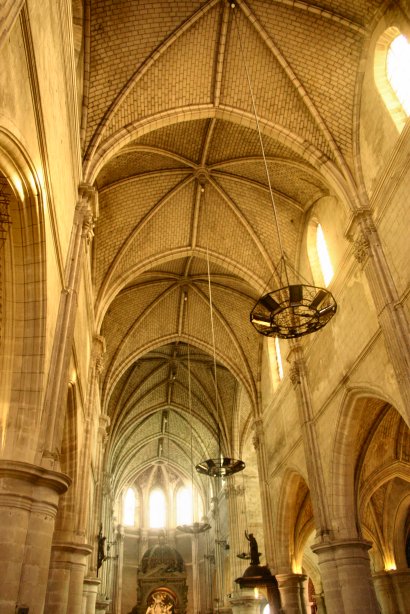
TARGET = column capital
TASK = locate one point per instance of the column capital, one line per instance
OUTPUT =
(360, 231)
(258, 433)
(88, 196)
(334, 546)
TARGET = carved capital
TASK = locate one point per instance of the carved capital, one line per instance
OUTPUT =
(294, 374)
(98, 353)
(258, 433)
(88, 227)
(361, 248)
(88, 197)
(362, 232)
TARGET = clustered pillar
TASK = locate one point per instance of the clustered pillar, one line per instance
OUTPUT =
(28, 507)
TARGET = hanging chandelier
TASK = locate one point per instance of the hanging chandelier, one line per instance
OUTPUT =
(221, 466)
(294, 309)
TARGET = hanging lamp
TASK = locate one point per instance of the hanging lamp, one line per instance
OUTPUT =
(222, 466)
(294, 309)
(195, 528)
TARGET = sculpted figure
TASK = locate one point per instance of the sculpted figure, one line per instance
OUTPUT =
(253, 547)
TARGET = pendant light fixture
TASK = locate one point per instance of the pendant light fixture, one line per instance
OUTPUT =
(294, 309)
(222, 466)
(195, 528)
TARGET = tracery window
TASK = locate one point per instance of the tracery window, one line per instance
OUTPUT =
(392, 73)
(129, 506)
(157, 509)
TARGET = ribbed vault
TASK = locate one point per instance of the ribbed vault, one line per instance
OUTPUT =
(170, 141)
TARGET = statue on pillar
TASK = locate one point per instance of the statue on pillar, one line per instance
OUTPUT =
(101, 556)
(253, 548)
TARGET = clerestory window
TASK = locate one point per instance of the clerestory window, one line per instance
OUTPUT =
(392, 74)
(129, 506)
(323, 254)
(184, 512)
(157, 509)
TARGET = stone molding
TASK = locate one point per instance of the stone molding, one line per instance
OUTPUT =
(27, 486)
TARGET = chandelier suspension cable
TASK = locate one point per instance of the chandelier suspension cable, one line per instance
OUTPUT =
(294, 309)
(222, 466)
(248, 78)
(214, 352)
(196, 527)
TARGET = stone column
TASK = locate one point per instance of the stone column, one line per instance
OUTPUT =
(401, 583)
(90, 591)
(117, 598)
(196, 601)
(267, 511)
(313, 458)
(66, 578)
(244, 602)
(391, 313)
(28, 507)
(292, 592)
(92, 409)
(393, 591)
(346, 577)
(320, 603)
(237, 527)
(56, 391)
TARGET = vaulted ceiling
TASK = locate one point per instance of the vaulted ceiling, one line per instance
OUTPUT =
(171, 142)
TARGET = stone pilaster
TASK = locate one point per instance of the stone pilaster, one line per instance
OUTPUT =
(346, 577)
(292, 592)
(391, 314)
(28, 506)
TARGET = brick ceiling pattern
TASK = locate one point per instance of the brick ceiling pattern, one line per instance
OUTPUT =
(171, 144)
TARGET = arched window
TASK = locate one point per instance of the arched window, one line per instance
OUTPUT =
(279, 363)
(318, 253)
(398, 70)
(184, 509)
(129, 505)
(157, 509)
(275, 361)
(392, 73)
(323, 254)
